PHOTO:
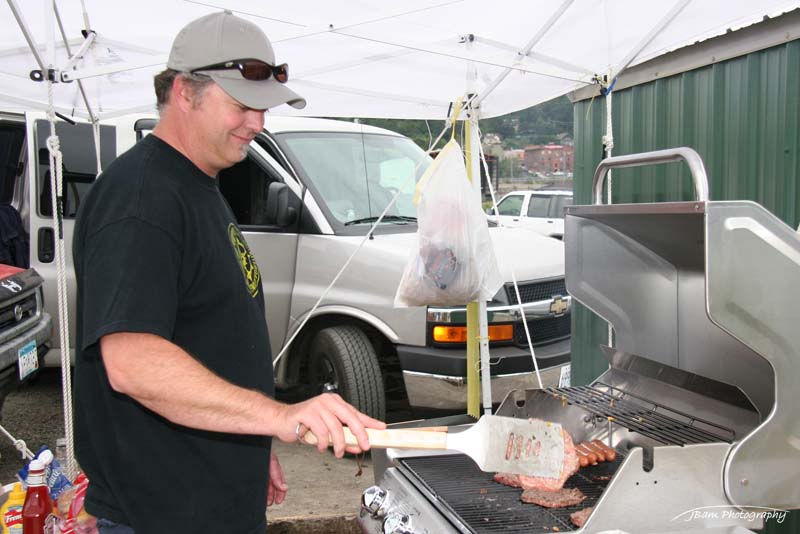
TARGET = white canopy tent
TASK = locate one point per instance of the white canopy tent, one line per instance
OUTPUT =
(363, 58)
(354, 58)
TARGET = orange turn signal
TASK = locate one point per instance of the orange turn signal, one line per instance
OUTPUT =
(458, 334)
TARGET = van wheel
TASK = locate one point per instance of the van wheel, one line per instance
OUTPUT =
(344, 361)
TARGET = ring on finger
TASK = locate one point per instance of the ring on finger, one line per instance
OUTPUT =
(297, 430)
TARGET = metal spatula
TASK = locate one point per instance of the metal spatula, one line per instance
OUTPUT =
(495, 443)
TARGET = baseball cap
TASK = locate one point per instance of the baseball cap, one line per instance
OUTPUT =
(222, 37)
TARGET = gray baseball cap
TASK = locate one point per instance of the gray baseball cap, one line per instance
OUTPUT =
(222, 37)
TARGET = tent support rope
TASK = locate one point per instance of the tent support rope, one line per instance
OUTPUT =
(513, 277)
(608, 143)
(56, 198)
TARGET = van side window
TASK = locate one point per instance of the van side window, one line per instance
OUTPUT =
(245, 186)
(12, 138)
(79, 163)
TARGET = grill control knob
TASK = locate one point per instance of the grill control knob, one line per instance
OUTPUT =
(397, 524)
(373, 500)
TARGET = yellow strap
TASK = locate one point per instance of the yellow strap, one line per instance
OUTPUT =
(432, 169)
(456, 113)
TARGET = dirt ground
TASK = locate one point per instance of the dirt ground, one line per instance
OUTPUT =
(34, 414)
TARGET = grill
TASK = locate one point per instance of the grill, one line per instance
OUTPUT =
(536, 291)
(543, 330)
(699, 392)
(485, 506)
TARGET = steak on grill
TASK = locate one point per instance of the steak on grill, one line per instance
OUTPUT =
(579, 518)
(553, 499)
(569, 467)
(507, 479)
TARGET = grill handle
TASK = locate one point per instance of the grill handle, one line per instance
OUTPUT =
(669, 155)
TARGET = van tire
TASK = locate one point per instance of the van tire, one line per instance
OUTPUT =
(348, 353)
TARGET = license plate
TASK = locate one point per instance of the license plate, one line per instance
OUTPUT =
(28, 359)
(566, 375)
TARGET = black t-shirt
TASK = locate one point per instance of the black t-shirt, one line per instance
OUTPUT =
(157, 250)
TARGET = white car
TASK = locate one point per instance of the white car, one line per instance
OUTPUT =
(541, 211)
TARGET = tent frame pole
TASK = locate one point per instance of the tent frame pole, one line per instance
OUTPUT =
(26, 32)
(655, 32)
(525, 50)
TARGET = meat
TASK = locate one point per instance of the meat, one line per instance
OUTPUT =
(553, 499)
(579, 518)
(598, 450)
(569, 467)
(585, 455)
(610, 453)
(591, 452)
(507, 479)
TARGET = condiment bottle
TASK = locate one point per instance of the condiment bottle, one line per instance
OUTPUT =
(37, 507)
(11, 511)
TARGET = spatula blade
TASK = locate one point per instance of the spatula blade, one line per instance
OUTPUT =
(520, 446)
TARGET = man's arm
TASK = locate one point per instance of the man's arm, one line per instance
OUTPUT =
(165, 379)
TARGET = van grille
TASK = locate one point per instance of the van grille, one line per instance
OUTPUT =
(27, 308)
(543, 330)
(536, 291)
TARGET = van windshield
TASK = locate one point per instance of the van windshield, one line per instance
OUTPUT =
(357, 175)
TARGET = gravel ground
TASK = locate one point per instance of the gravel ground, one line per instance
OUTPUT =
(34, 414)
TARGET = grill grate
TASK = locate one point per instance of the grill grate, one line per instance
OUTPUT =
(536, 291)
(637, 414)
(484, 506)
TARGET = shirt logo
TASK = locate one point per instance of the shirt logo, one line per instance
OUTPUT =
(247, 262)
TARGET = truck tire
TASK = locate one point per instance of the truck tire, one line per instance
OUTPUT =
(344, 359)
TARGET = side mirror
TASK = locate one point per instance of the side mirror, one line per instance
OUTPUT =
(278, 210)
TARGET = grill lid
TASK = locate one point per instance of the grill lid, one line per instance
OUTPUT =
(709, 288)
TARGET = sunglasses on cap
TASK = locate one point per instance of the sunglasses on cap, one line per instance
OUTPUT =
(254, 70)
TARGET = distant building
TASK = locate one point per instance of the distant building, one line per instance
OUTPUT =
(550, 159)
(517, 153)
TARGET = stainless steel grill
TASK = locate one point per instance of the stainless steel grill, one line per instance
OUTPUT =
(699, 393)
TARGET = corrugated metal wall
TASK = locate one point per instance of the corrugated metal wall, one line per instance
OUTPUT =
(743, 118)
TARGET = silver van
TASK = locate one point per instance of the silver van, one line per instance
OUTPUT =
(306, 197)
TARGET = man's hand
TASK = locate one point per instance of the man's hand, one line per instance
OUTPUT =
(276, 491)
(325, 415)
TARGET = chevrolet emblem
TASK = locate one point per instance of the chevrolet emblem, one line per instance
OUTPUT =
(559, 306)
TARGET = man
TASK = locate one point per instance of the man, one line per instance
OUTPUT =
(174, 375)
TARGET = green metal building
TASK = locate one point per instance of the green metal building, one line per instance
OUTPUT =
(735, 99)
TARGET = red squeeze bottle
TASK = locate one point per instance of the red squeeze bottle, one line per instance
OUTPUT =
(37, 505)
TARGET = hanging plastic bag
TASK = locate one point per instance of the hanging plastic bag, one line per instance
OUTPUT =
(453, 263)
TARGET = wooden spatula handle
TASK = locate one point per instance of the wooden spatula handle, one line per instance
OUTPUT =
(399, 438)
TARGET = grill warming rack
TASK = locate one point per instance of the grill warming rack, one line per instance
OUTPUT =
(637, 414)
